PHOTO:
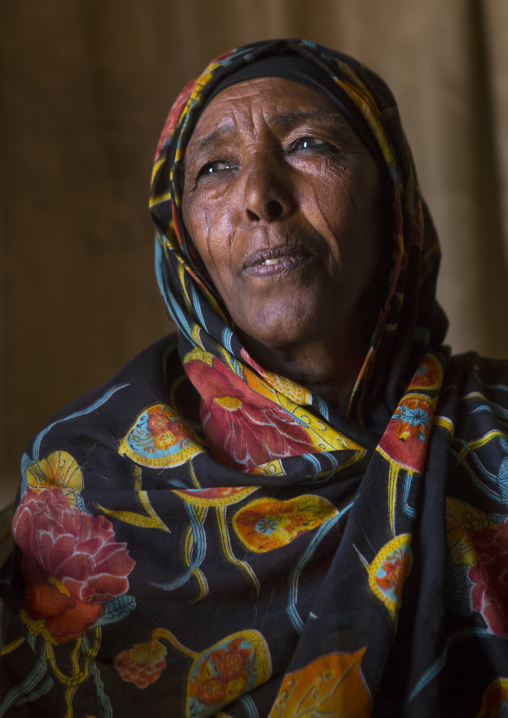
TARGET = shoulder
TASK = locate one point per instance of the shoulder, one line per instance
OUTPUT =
(476, 394)
(470, 372)
(100, 417)
(473, 403)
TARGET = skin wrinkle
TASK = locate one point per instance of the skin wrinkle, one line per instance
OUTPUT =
(207, 232)
(228, 128)
(224, 292)
(308, 319)
(329, 227)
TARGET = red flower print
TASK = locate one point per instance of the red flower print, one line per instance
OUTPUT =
(222, 673)
(142, 664)
(72, 565)
(244, 428)
(428, 375)
(174, 116)
(211, 691)
(489, 575)
(164, 430)
(230, 664)
(405, 439)
(231, 680)
(158, 423)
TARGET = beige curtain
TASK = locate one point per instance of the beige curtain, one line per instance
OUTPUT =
(85, 86)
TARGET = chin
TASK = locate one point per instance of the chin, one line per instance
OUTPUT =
(289, 317)
(277, 339)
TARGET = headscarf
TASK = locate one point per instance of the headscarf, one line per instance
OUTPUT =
(203, 537)
(410, 321)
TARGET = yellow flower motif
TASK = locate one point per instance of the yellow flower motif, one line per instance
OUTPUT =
(58, 471)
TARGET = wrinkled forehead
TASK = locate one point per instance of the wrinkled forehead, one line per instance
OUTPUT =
(358, 94)
(309, 74)
(275, 103)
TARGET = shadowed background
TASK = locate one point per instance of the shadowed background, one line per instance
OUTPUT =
(84, 91)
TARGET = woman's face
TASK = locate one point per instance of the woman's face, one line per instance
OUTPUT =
(283, 202)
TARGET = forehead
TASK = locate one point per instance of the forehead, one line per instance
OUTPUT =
(274, 99)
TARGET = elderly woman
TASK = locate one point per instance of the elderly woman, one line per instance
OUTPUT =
(298, 504)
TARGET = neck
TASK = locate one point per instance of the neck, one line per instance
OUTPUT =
(320, 366)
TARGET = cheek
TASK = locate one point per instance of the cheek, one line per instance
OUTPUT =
(208, 229)
(330, 207)
(346, 209)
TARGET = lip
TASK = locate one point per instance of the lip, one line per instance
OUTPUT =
(289, 258)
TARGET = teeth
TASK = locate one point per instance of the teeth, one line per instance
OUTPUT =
(275, 260)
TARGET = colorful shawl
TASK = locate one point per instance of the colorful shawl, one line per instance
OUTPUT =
(201, 537)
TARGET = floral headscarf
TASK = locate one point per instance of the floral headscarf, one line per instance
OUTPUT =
(410, 319)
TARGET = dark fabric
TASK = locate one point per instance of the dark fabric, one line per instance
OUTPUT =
(202, 537)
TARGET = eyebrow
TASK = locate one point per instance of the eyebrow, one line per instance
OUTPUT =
(290, 117)
(227, 129)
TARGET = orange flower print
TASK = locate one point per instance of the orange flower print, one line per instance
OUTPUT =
(142, 664)
(231, 665)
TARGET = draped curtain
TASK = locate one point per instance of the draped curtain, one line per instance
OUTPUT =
(84, 90)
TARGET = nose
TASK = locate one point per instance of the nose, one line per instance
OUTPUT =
(269, 195)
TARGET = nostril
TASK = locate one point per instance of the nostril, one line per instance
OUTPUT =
(273, 209)
(266, 211)
(253, 217)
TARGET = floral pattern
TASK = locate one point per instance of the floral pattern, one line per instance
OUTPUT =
(217, 676)
(389, 570)
(266, 524)
(332, 685)
(159, 438)
(480, 545)
(226, 671)
(58, 471)
(294, 392)
(244, 428)
(406, 435)
(428, 375)
(142, 664)
(72, 564)
(489, 577)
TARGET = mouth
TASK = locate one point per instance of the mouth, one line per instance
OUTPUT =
(275, 261)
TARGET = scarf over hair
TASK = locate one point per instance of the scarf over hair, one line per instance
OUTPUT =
(202, 537)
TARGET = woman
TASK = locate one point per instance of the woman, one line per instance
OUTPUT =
(298, 504)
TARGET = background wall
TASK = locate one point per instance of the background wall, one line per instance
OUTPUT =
(84, 90)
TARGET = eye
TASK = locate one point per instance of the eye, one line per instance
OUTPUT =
(309, 143)
(216, 166)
